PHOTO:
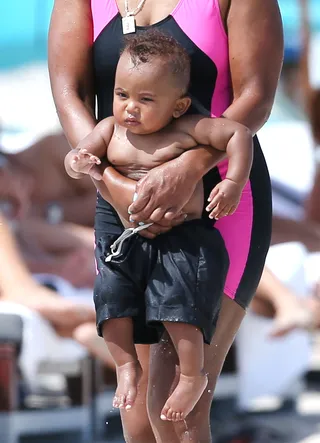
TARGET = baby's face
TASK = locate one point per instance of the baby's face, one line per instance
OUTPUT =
(145, 97)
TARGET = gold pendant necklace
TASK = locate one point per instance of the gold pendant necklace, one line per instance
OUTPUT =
(128, 21)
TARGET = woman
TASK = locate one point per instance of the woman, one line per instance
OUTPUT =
(223, 37)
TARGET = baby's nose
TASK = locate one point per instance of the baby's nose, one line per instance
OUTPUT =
(132, 107)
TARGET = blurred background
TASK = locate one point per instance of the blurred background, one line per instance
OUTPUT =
(56, 377)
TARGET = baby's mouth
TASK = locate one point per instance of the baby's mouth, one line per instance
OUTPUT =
(130, 120)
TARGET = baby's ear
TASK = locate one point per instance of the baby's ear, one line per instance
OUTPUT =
(182, 106)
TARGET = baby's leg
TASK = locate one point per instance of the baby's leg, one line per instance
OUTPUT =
(118, 335)
(188, 342)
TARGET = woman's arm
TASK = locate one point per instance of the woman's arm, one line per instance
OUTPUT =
(307, 232)
(256, 52)
(70, 67)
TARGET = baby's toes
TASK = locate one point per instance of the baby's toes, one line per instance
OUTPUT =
(174, 417)
(122, 400)
(164, 413)
(130, 399)
(115, 402)
(170, 414)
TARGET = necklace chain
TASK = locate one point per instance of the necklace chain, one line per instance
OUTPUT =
(135, 11)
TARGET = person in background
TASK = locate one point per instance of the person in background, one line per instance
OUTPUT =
(35, 239)
(310, 82)
(51, 214)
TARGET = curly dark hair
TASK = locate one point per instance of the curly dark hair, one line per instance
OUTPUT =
(153, 44)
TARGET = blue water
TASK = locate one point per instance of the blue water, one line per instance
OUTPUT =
(23, 31)
(24, 26)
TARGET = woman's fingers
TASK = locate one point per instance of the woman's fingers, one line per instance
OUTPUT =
(171, 214)
(178, 220)
(139, 207)
(162, 227)
(157, 215)
(153, 231)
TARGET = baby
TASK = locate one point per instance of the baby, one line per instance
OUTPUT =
(175, 281)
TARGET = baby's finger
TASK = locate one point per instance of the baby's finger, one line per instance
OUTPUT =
(75, 159)
(213, 214)
(95, 159)
(214, 202)
(221, 212)
(213, 193)
(232, 210)
(225, 211)
(81, 153)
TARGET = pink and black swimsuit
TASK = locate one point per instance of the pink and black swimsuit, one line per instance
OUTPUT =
(246, 234)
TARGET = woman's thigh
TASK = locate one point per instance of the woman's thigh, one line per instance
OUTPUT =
(248, 244)
(162, 379)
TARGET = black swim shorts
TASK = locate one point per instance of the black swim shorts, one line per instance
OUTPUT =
(176, 277)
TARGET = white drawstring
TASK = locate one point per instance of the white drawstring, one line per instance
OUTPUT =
(116, 247)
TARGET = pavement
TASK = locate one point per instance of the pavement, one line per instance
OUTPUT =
(294, 423)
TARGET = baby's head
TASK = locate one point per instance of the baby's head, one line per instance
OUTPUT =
(151, 84)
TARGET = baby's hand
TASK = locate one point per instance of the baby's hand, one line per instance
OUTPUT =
(224, 199)
(85, 163)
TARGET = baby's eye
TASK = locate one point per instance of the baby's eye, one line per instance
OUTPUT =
(147, 99)
(121, 94)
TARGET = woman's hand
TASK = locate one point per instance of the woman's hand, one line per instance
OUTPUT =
(119, 191)
(163, 192)
(162, 226)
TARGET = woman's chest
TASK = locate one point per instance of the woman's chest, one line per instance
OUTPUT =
(152, 11)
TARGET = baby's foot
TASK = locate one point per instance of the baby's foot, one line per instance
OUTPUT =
(184, 398)
(128, 376)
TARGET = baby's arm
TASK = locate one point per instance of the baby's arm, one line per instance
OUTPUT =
(87, 155)
(236, 140)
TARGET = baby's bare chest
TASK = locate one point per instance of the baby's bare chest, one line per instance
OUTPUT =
(145, 151)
